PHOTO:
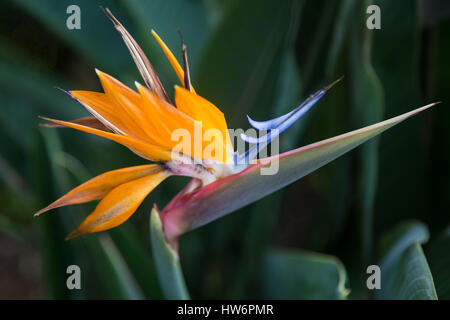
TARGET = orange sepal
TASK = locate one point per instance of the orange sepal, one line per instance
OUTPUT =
(99, 186)
(100, 106)
(141, 148)
(173, 61)
(127, 104)
(204, 111)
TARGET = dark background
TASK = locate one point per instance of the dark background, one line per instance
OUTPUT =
(257, 57)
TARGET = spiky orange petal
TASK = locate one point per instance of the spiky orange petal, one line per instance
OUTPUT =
(127, 103)
(99, 186)
(204, 111)
(141, 148)
(173, 61)
(91, 122)
(100, 106)
(165, 118)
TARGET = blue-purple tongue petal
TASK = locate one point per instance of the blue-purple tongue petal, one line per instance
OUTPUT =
(296, 114)
(269, 124)
(282, 123)
(276, 126)
(285, 121)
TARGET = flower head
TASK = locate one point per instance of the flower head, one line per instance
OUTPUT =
(148, 123)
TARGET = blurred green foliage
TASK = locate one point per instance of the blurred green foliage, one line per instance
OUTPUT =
(256, 57)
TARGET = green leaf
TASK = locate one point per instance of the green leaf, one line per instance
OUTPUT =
(93, 39)
(405, 274)
(167, 18)
(16, 197)
(233, 192)
(437, 82)
(25, 92)
(113, 270)
(339, 30)
(303, 275)
(8, 228)
(137, 260)
(399, 73)
(316, 41)
(333, 184)
(395, 242)
(289, 91)
(432, 12)
(167, 261)
(367, 99)
(262, 216)
(259, 231)
(57, 254)
(13, 179)
(440, 264)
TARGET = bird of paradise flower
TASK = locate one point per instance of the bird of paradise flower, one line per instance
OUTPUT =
(222, 181)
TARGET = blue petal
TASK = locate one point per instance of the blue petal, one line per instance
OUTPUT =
(269, 124)
(274, 123)
(284, 122)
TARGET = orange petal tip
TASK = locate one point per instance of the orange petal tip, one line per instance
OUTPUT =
(138, 85)
(41, 212)
(73, 234)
